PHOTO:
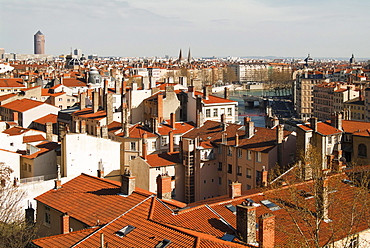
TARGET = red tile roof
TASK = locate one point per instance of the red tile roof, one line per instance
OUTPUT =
(7, 96)
(33, 138)
(323, 128)
(89, 114)
(22, 105)
(163, 159)
(15, 131)
(47, 118)
(12, 83)
(73, 82)
(355, 126)
(214, 99)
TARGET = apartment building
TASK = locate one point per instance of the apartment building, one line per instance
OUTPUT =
(328, 98)
(218, 153)
(11, 85)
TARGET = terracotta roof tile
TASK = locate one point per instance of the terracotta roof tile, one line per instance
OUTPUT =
(163, 159)
(15, 131)
(33, 138)
(22, 105)
(47, 118)
(12, 83)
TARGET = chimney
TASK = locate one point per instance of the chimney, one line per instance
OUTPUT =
(58, 181)
(275, 121)
(349, 93)
(83, 126)
(197, 119)
(172, 120)
(280, 134)
(49, 131)
(95, 103)
(154, 125)
(339, 121)
(205, 93)
(65, 223)
(249, 127)
(100, 169)
(160, 107)
(313, 122)
(264, 177)
(164, 189)
(246, 222)
(170, 142)
(226, 93)
(83, 100)
(223, 118)
(235, 189)
(236, 140)
(101, 240)
(109, 108)
(145, 146)
(30, 215)
(15, 117)
(266, 231)
(191, 90)
(224, 138)
(322, 201)
(127, 183)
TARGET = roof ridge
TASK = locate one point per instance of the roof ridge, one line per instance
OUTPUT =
(96, 231)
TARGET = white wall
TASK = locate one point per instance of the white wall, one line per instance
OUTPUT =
(83, 152)
(38, 112)
(11, 159)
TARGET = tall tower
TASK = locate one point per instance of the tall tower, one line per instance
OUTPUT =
(39, 43)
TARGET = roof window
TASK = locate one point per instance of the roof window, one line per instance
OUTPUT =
(231, 208)
(228, 237)
(272, 206)
(164, 243)
(124, 231)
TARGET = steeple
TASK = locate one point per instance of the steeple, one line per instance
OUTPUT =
(189, 56)
(180, 56)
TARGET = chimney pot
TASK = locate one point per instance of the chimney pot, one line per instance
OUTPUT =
(127, 183)
(235, 189)
(65, 223)
(164, 188)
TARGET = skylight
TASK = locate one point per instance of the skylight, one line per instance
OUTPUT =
(164, 243)
(231, 208)
(252, 202)
(228, 237)
(124, 231)
(272, 206)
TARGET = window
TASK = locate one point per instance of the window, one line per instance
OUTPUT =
(68, 100)
(219, 166)
(240, 153)
(239, 170)
(258, 156)
(132, 157)
(259, 178)
(12, 144)
(229, 151)
(215, 112)
(219, 181)
(249, 155)
(229, 111)
(164, 141)
(229, 168)
(248, 186)
(219, 149)
(362, 150)
(24, 167)
(29, 168)
(60, 99)
(153, 146)
(329, 140)
(47, 216)
(248, 173)
(208, 113)
(353, 242)
(132, 146)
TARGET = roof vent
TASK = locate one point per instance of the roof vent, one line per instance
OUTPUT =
(124, 231)
(164, 243)
(272, 206)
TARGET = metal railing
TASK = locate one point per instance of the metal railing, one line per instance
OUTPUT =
(37, 179)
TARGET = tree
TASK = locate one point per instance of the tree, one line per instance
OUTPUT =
(322, 208)
(14, 230)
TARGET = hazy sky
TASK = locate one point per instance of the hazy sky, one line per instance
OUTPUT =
(283, 28)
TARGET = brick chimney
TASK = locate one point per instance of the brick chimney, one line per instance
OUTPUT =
(15, 117)
(249, 127)
(49, 131)
(246, 222)
(145, 146)
(64, 223)
(205, 92)
(82, 100)
(127, 183)
(264, 177)
(109, 108)
(235, 189)
(154, 125)
(172, 120)
(266, 231)
(164, 188)
(95, 99)
(313, 122)
(170, 142)
(160, 107)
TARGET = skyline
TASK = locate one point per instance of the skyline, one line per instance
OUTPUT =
(235, 28)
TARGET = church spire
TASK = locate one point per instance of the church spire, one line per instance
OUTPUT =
(189, 56)
(180, 55)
